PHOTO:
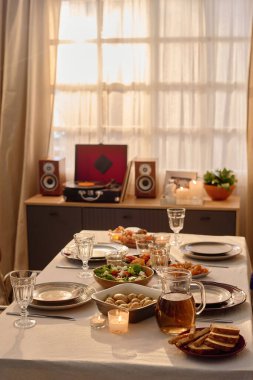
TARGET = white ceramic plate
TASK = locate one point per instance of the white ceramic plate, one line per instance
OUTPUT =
(99, 251)
(235, 250)
(209, 248)
(214, 294)
(237, 298)
(57, 292)
(84, 297)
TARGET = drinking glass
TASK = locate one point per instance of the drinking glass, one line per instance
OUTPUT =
(84, 242)
(176, 223)
(159, 260)
(23, 282)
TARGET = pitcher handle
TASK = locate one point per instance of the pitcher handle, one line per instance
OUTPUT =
(202, 305)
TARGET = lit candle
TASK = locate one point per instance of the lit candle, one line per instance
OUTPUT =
(162, 239)
(196, 188)
(182, 195)
(118, 321)
(98, 321)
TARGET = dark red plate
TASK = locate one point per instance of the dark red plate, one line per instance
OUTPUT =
(217, 355)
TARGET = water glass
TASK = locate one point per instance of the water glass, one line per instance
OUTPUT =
(142, 242)
(115, 257)
(84, 242)
(159, 259)
(176, 222)
(23, 282)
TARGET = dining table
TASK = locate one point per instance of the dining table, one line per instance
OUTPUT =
(72, 349)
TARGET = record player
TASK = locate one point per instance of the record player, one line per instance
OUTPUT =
(100, 172)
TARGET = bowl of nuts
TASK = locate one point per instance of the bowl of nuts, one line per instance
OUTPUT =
(139, 300)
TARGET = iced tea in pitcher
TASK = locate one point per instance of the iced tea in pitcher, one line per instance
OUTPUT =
(176, 310)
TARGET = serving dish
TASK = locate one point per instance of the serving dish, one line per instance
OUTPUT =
(135, 315)
(126, 236)
(84, 297)
(108, 283)
(238, 297)
(234, 251)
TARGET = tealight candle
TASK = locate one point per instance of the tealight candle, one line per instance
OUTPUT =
(118, 321)
(98, 321)
(162, 239)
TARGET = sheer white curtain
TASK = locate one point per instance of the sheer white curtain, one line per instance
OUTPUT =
(167, 77)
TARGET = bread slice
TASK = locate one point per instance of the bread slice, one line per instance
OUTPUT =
(203, 349)
(233, 339)
(227, 330)
(193, 337)
(222, 346)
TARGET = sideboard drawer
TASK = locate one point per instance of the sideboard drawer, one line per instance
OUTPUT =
(49, 229)
(206, 222)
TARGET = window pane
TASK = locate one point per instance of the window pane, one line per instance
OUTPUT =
(126, 63)
(78, 20)
(126, 18)
(77, 64)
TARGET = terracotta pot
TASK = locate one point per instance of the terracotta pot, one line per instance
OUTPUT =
(218, 193)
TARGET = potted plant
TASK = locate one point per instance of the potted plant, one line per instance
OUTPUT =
(220, 183)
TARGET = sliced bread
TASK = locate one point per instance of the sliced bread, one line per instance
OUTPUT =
(222, 329)
(222, 346)
(233, 339)
(202, 349)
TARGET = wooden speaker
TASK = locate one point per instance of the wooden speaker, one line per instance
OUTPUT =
(145, 179)
(51, 176)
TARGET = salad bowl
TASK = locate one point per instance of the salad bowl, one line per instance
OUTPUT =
(109, 275)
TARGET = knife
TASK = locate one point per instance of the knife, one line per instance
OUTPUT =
(44, 316)
(215, 320)
(68, 267)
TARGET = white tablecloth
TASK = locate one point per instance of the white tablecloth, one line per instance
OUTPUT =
(56, 349)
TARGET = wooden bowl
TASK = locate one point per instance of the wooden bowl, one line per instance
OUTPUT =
(218, 193)
(108, 283)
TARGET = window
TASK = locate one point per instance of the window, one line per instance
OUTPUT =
(167, 77)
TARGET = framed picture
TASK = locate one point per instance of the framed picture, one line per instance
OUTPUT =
(179, 178)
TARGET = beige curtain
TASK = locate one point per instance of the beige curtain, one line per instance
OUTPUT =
(249, 216)
(25, 116)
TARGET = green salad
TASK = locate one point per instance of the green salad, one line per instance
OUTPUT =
(127, 273)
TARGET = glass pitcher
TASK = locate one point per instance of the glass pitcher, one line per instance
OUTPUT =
(176, 309)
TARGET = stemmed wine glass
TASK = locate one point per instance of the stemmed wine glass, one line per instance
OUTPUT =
(176, 223)
(159, 260)
(23, 282)
(84, 242)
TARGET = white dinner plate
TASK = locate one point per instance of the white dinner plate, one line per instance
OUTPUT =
(57, 292)
(214, 294)
(235, 250)
(238, 297)
(98, 253)
(209, 248)
(85, 296)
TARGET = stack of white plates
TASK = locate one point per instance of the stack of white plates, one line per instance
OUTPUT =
(208, 250)
(60, 295)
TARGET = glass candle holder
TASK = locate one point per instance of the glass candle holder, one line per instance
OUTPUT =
(98, 321)
(118, 321)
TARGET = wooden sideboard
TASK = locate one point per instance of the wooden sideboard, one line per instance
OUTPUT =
(51, 222)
